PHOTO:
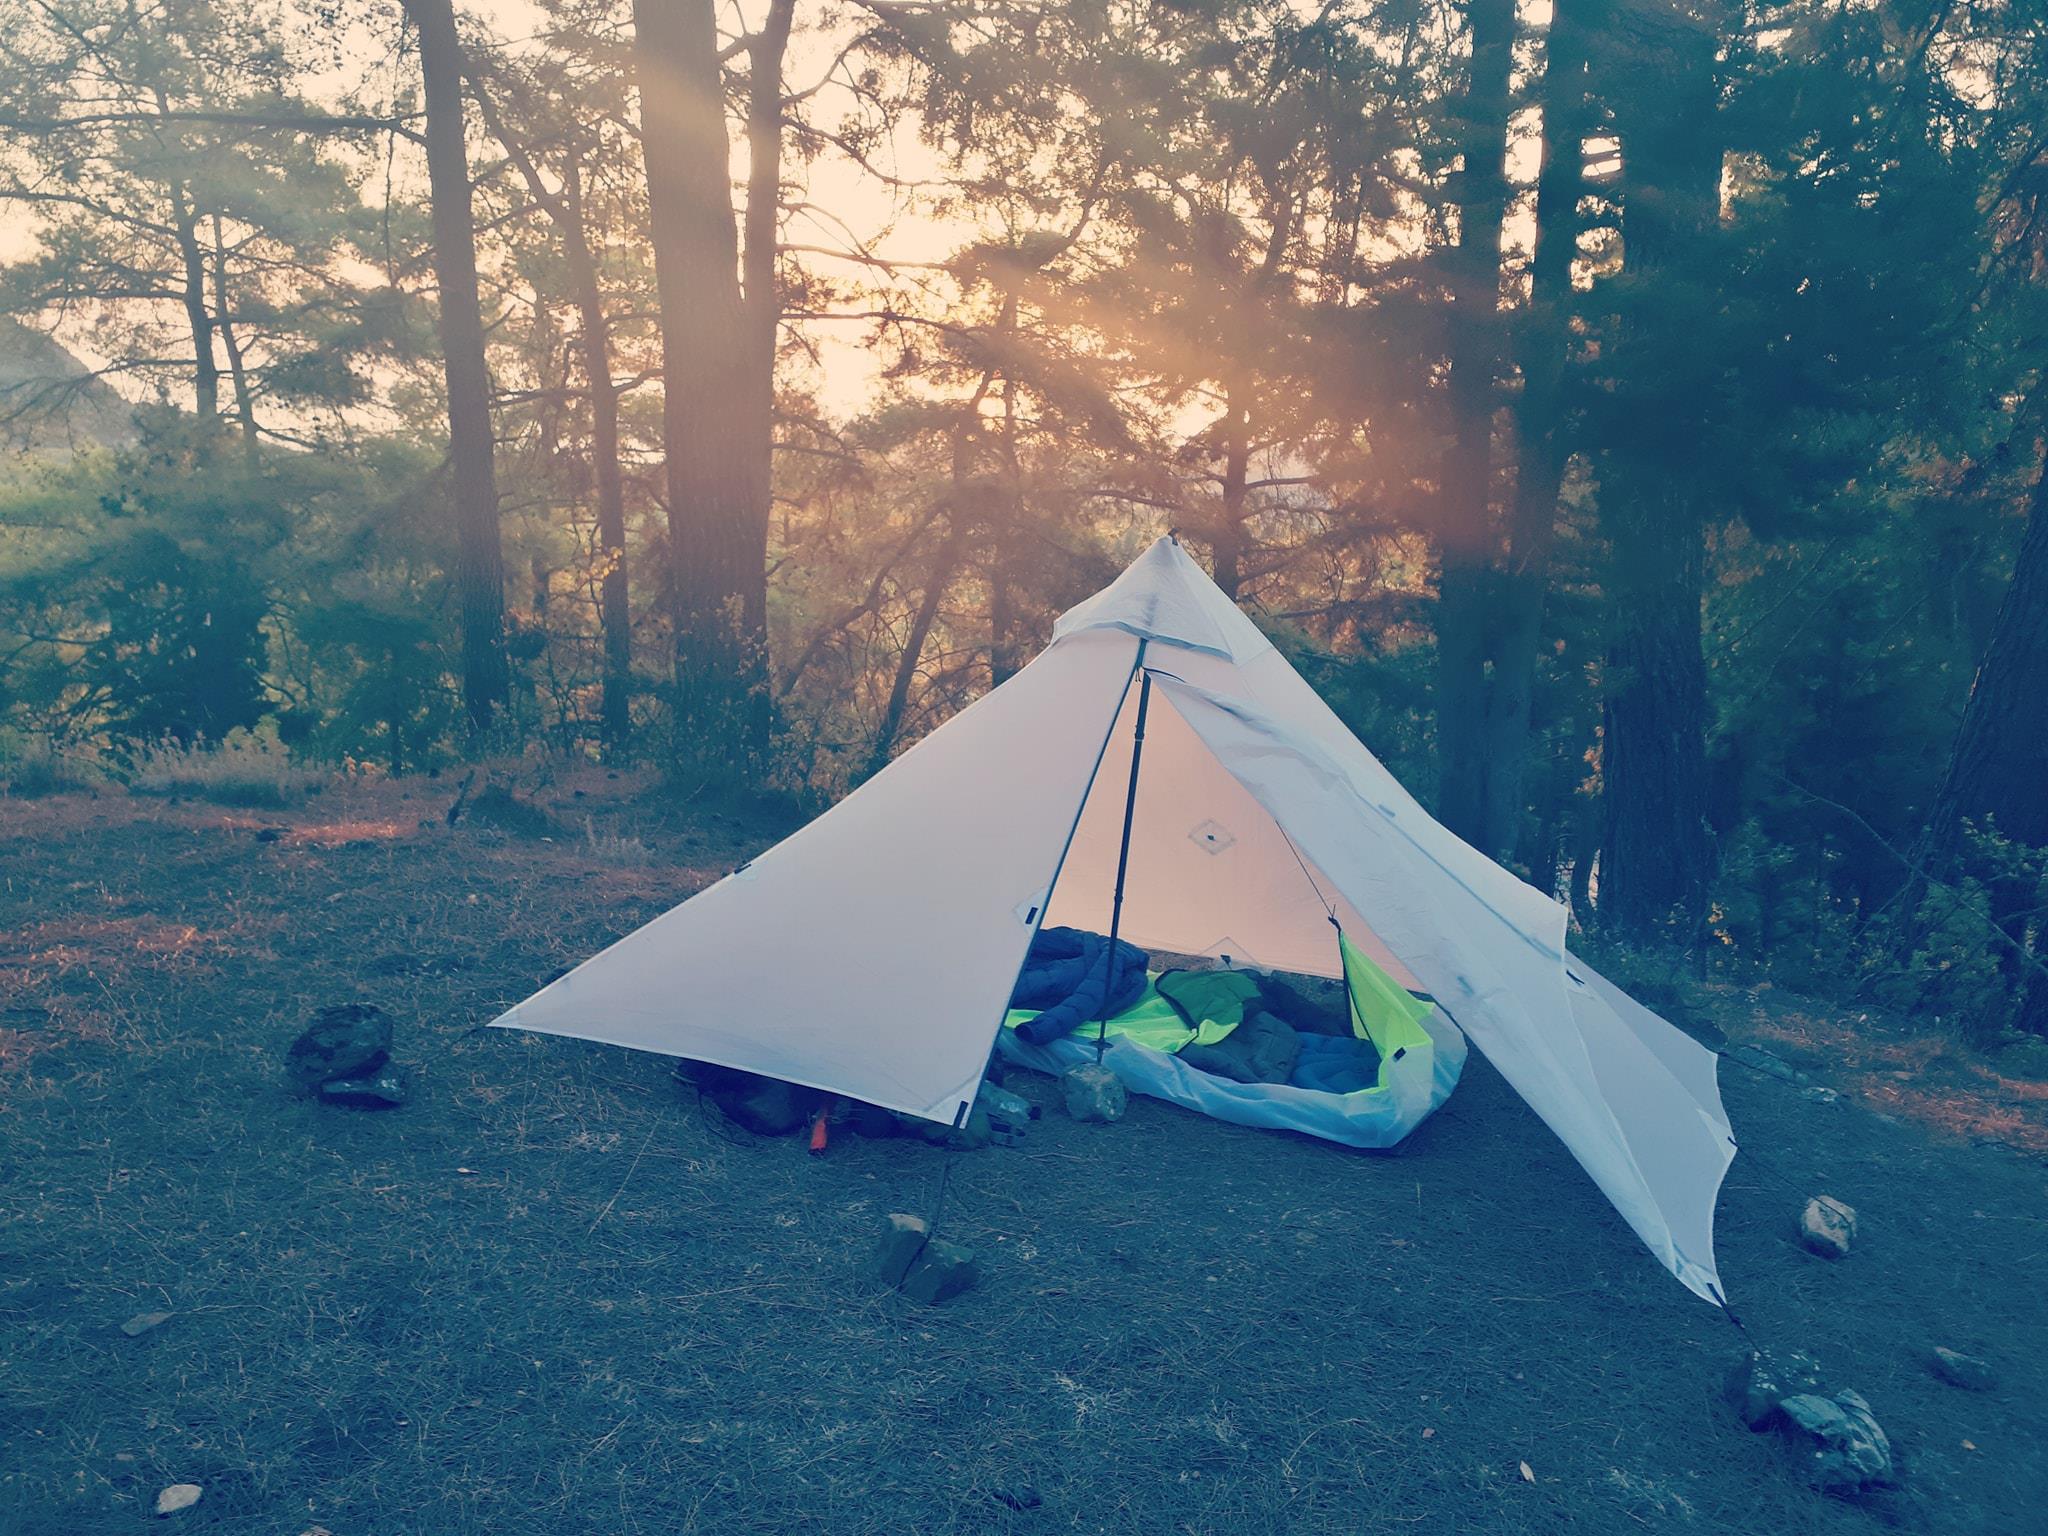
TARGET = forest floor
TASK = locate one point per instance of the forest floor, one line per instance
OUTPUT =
(556, 1293)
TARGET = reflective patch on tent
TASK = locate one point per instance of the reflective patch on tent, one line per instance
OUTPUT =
(1211, 837)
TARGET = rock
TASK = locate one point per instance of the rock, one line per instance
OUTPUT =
(269, 834)
(1095, 1094)
(346, 1040)
(385, 1091)
(1008, 1115)
(1969, 1372)
(1820, 1095)
(1853, 1453)
(903, 1239)
(1019, 1496)
(1827, 1227)
(142, 1322)
(178, 1496)
(1761, 1380)
(941, 1271)
(1766, 1062)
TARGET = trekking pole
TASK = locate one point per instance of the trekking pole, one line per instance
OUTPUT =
(1123, 857)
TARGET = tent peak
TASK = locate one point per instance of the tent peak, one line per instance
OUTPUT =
(1164, 596)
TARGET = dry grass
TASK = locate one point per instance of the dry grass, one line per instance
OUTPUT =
(242, 770)
(553, 1294)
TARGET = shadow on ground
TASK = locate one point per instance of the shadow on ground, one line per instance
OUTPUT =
(553, 1293)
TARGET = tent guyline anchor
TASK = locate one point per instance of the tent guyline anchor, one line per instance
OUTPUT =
(1123, 855)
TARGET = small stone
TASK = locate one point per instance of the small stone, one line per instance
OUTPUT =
(178, 1496)
(1761, 1380)
(385, 1092)
(1095, 1094)
(1853, 1452)
(1019, 1496)
(1969, 1372)
(1827, 1227)
(1820, 1095)
(269, 834)
(941, 1271)
(903, 1239)
(343, 1041)
(142, 1322)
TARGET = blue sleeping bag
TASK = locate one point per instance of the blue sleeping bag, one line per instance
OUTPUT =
(1071, 976)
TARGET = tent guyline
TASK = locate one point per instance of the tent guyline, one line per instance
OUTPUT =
(873, 953)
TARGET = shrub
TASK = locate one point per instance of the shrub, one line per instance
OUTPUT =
(243, 769)
(40, 770)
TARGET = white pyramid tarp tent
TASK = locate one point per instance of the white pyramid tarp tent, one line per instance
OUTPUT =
(873, 952)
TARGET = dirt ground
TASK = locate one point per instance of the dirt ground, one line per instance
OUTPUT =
(555, 1293)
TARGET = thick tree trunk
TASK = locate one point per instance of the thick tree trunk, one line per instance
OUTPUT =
(1656, 858)
(1998, 767)
(1654, 855)
(479, 553)
(1464, 534)
(713, 427)
(1544, 451)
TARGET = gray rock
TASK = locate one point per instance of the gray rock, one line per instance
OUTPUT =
(1755, 1056)
(1851, 1452)
(903, 1239)
(1095, 1094)
(1969, 1372)
(1827, 1227)
(142, 1322)
(941, 1271)
(385, 1091)
(1762, 1379)
(1820, 1095)
(347, 1040)
(178, 1496)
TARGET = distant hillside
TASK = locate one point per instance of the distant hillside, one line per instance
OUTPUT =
(50, 402)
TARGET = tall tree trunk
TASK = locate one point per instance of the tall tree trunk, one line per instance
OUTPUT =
(479, 553)
(1464, 534)
(1998, 766)
(1227, 540)
(245, 404)
(1655, 860)
(945, 564)
(1544, 451)
(1002, 538)
(713, 426)
(615, 614)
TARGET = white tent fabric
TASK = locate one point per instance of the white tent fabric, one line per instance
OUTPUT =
(872, 953)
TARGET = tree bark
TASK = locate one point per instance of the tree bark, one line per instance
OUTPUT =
(1227, 541)
(715, 430)
(1655, 861)
(1998, 766)
(238, 372)
(479, 553)
(1464, 534)
(1544, 450)
(615, 614)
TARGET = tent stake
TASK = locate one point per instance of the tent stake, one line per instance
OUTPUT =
(1123, 856)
